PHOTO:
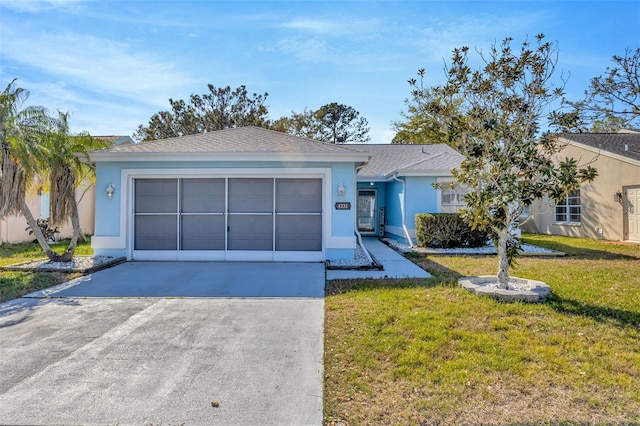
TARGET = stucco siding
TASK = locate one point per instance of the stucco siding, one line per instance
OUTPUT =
(421, 198)
(12, 229)
(393, 227)
(602, 216)
(112, 215)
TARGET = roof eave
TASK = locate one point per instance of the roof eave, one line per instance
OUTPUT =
(424, 172)
(601, 151)
(343, 157)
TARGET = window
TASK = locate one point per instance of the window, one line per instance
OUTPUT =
(452, 199)
(569, 210)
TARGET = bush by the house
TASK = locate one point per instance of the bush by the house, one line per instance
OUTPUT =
(50, 233)
(447, 230)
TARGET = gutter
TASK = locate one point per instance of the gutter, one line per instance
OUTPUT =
(355, 216)
(403, 208)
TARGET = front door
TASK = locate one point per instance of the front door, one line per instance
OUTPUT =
(632, 213)
(367, 211)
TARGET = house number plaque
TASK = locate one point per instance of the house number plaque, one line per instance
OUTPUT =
(343, 206)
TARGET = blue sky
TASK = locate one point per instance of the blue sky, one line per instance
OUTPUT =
(112, 64)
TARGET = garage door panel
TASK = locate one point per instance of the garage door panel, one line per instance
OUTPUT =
(299, 195)
(203, 195)
(202, 232)
(299, 233)
(250, 195)
(156, 232)
(250, 232)
(156, 196)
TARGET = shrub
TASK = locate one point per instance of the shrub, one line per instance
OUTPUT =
(447, 230)
(50, 233)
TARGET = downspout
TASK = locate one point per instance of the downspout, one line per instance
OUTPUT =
(403, 208)
(355, 216)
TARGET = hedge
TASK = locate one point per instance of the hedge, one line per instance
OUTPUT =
(447, 230)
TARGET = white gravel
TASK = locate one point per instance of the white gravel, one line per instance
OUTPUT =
(513, 285)
(79, 263)
(360, 260)
(488, 249)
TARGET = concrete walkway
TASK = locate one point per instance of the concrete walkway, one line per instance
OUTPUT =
(395, 265)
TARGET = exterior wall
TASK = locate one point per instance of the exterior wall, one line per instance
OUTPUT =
(393, 227)
(12, 229)
(111, 215)
(601, 216)
(420, 197)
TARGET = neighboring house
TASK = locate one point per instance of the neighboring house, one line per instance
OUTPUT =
(13, 228)
(255, 194)
(607, 208)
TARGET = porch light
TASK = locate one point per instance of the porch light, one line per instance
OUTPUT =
(617, 197)
(110, 190)
(341, 190)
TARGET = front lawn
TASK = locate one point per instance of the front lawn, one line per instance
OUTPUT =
(14, 284)
(428, 352)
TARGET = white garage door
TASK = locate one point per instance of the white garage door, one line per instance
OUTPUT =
(228, 219)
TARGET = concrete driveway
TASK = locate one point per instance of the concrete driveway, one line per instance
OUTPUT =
(75, 358)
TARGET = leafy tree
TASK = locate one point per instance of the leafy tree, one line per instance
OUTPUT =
(341, 124)
(302, 124)
(220, 108)
(65, 163)
(612, 101)
(37, 147)
(334, 122)
(420, 126)
(507, 164)
(21, 133)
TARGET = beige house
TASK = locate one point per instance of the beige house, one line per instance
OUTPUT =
(12, 229)
(607, 208)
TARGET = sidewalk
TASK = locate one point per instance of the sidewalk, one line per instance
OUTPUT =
(395, 265)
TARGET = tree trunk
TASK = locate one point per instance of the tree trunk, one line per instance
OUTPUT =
(503, 261)
(44, 244)
(67, 256)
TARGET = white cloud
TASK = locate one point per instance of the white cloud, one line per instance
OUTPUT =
(103, 66)
(334, 27)
(306, 49)
(35, 6)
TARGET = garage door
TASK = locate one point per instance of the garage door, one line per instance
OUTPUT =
(228, 219)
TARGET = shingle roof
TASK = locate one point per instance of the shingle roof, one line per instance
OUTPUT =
(390, 158)
(624, 144)
(258, 142)
(238, 140)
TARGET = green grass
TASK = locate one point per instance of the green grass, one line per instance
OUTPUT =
(428, 352)
(14, 284)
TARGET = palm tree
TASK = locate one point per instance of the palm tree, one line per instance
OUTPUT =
(36, 148)
(66, 161)
(21, 134)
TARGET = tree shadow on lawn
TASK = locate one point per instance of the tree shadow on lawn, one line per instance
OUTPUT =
(584, 253)
(601, 314)
(440, 276)
(443, 276)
